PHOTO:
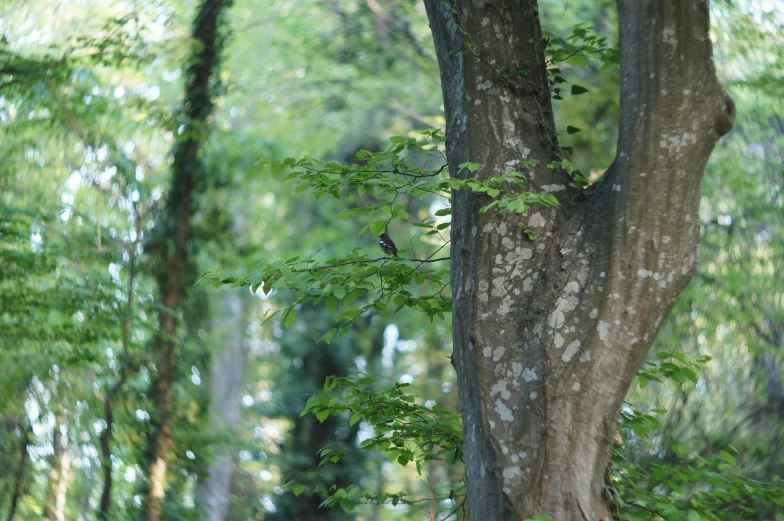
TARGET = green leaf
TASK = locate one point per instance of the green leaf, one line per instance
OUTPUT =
(726, 456)
(378, 227)
(674, 486)
(299, 489)
(354, 418)
(288, 317)
(578, 60)
(330, 335)
(577, 90)
(681, 450)
(397, 139)
(451, 456)
(572, 130)
(639, 430)
(690, 374)
(322, 415)
(472, 167)
(694, 516)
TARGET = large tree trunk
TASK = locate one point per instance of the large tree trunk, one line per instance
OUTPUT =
(175, 274)
(231, 321)
(548, 334)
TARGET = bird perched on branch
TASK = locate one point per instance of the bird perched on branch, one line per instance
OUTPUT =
(387, 245)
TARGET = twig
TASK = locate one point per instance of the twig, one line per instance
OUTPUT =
(454, 510)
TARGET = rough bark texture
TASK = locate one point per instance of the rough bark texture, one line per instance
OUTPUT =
(548, 334)
(225, 385)
(175, 271)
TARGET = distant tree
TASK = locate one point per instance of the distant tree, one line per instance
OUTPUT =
(173, 242)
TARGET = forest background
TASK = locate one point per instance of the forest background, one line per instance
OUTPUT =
(118, 402)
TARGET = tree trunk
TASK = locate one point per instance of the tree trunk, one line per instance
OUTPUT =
(59, 475)
(62, 485)
(175, 273)
(19, 473)
(85, 507)
(549, 333)
(225, 385)
(106, 459)
(55, 468)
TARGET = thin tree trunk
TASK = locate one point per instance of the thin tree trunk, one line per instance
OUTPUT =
(62, 485)
(87, 491)
(59, 474)
(225, 385)
(106, 435)
(54, 471)
(176, 271)
(106, 461)
(549, 333)
(20, 470)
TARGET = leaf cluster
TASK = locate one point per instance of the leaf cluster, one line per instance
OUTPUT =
(394, 424)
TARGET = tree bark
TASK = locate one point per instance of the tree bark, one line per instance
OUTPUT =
(549, 333)
(176, 272)
(225, 385)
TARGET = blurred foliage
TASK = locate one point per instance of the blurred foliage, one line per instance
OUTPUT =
(89, 104)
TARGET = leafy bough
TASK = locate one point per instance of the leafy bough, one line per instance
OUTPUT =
(375, 187)
(396, 426)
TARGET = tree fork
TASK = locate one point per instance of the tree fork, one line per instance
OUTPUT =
(549, 333)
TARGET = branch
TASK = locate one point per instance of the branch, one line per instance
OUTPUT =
(454, 511)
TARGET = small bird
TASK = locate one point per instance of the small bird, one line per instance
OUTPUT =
(387, 245)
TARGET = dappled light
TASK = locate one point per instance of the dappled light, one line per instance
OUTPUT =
(383, 260)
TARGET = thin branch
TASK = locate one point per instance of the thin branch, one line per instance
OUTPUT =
(454, 510)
